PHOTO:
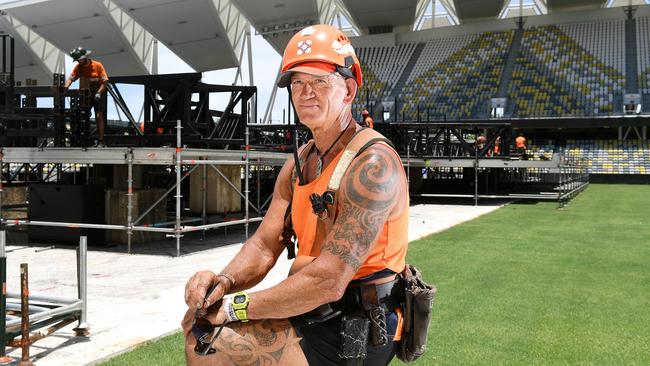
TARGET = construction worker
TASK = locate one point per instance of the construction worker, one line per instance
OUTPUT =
(520, 145)
(367, 120)
(352, 232)
(91, 75)
(496, 151)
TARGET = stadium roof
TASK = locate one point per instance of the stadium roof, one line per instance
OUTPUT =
(208, 34)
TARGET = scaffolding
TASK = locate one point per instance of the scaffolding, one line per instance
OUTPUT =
(178, 157)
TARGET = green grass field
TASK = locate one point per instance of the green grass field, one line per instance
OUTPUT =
(529, 284)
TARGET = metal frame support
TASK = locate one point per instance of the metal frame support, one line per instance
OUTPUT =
(246, 179)
(204, 198)
(162, 197)
(251, 79)
(24, 314)
(241, 194)
(269, 107)
(1, 189)
(3, 300)
(177, 225)
(82, 328)
(129, 200)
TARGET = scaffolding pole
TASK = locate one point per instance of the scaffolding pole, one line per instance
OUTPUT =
(82, 286)
(3, 300)
(204, 198)
(177, 226)
(242, 195)
(142, 215)
(246, 179)
(1, 187)
(129, 200)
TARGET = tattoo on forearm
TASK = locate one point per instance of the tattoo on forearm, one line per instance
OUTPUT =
(370, 192)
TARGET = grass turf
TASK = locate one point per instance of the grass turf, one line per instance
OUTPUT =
(530, 285)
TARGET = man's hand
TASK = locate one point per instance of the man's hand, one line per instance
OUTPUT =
(98, 97)
(198, 286)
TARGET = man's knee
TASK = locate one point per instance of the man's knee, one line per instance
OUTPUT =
(186, 323)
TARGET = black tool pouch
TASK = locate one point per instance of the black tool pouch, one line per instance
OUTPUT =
(418, 301)
(376, 313)
(378, 333)
(354, 336)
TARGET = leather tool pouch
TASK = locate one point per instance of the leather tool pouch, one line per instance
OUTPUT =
(419, 297)
(354, 336)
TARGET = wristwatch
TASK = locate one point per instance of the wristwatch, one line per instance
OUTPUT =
(240, 305)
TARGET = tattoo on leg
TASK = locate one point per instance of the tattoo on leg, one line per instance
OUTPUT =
(260, 343)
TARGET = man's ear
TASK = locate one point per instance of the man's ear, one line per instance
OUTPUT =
(351, 90)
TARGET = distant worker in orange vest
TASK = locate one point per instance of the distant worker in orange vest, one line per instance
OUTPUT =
(367, 120)
(92, 76)
(520, 145)
(347, 196)
(496, 151)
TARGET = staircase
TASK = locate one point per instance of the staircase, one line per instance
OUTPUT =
(407, 70)
(508, 68)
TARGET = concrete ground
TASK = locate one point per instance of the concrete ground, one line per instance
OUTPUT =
(137, 298)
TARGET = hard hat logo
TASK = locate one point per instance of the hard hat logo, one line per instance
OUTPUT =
(304, 47)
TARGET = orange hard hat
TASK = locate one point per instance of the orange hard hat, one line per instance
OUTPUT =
(320, 49)
(365, 113)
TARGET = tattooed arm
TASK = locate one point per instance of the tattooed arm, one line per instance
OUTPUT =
(258, 254)
(372, 191)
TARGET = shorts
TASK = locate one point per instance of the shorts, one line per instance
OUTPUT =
(321, 343)
(98, 106)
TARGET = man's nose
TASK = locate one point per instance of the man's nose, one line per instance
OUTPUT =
(307, 91)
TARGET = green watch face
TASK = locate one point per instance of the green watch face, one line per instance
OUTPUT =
(239, 299)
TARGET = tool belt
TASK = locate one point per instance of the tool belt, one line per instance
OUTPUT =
(363, 309)
(418, 301)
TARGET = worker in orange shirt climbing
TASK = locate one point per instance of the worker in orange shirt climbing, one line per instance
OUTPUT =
(91, 75)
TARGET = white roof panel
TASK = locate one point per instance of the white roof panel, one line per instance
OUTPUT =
(190, 28)
(71, 23)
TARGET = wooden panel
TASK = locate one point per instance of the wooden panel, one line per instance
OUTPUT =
(116, 213)
(14, 195)
(221, 196)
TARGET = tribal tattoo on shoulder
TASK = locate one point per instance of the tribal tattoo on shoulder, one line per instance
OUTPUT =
(369, 193)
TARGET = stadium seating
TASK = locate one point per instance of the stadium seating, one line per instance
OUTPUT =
(575, 69)
(381, 67)
(563, 77)
(610, 156)
(535, 93)
(460, 85)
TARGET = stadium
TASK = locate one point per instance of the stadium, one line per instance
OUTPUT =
(521, 126)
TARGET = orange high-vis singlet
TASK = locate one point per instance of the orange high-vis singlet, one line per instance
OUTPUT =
(94, 71)
(389, 251)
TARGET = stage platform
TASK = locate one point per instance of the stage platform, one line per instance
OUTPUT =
(167, 156)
